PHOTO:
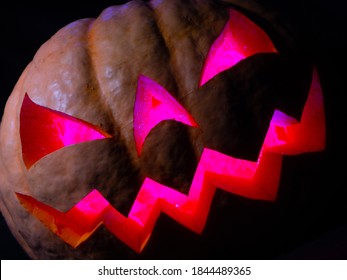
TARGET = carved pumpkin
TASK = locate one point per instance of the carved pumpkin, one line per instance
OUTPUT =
(152, 93)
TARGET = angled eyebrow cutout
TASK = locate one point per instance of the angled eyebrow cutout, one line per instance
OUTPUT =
(43, 131)
(235, 44)
(154, 104)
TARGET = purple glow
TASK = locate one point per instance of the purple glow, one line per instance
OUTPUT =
(43, 131)
(256, 180)
(154, 104)
(239, 39)
(289, 136)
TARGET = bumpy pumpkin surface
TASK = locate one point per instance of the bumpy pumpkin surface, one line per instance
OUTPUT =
(89, 69)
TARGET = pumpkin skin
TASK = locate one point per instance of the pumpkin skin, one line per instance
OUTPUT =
(87, 71)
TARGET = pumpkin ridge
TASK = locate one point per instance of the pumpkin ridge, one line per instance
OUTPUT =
(181, 97)
(184, 41)
(168, 51)
(96, 88)
(89, 70)
(114, 127)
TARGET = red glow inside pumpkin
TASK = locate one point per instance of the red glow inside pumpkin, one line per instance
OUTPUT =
(44, 131)
(239, 39)
(154, 104)
(289, 137)
(256, 180)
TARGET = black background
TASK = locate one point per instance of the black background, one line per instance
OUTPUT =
(321, 28)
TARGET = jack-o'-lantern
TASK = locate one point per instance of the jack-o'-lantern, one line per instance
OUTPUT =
(125, 132)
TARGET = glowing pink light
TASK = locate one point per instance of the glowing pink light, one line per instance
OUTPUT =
(154, 104)
(290, 137)
(256, 180)
(239, 39)
(43, 131)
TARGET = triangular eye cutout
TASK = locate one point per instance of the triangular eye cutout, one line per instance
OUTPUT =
(43, 131)
(154, 104)
(239, 39)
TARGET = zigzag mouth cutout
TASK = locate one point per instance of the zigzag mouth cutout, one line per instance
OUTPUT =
(153, 104)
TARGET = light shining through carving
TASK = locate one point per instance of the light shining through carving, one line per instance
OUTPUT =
(43, 131)
(255, 180)
(239, 39)
(154, 104)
